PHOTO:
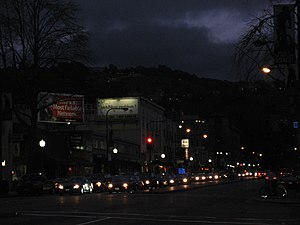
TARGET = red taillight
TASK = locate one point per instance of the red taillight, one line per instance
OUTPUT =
(274, 178)
(267, 178)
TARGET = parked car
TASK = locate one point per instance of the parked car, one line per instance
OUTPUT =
(76, 185)
(35, 183)
(99, 182)
(184, 179)
(121, 183)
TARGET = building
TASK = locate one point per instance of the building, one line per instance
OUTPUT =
(124, 124)
(208, 143)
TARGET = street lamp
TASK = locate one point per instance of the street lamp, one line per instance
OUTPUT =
(115, 150)
(266, 70)
(42, 143)
(106, 120)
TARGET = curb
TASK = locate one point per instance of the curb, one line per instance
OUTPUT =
(277, 201)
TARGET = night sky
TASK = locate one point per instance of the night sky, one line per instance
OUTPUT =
(195, 36)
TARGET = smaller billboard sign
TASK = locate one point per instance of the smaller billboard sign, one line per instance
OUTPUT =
(185, 143)
(61, 108)
(76, 142)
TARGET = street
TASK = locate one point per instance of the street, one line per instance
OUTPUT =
(231, 203)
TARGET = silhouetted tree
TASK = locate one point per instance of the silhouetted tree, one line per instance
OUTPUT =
(35, 35)
(255, 49)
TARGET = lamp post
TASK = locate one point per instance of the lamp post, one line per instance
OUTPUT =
(106, 130)
(42, 144)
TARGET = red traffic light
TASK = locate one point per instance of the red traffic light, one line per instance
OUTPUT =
(149, 140)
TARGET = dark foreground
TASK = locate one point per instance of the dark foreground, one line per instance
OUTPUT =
(230, 203)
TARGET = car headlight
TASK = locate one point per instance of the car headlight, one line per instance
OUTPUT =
(110, 186)
(203, 178)
(125, 185)
(216, 177)
(185, 180)
(76, 186)
(98, 184)
(147, 182)
(60, 187)
(197, 178)
(172, 181)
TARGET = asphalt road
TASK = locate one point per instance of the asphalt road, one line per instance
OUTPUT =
(233, 203)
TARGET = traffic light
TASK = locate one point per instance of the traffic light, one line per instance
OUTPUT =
(149, 143)
(149, 140)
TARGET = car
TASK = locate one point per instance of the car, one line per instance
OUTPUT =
(150, 180)
(121, 183)
(199, 177)
(170, 180)
(76, 185)
(56, 182)
(184, 179)
(212, 176)
(290, 181)
(35, 183)
(99, 182)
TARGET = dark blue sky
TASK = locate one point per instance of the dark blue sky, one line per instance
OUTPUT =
(196, 36)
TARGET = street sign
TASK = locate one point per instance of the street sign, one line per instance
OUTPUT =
(185, 143)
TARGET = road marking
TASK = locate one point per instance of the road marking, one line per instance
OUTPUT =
(95, 221)
(55, 215)
(137, 217)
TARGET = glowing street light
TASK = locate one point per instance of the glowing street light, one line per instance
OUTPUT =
(266, 70)
(115, 150)
(42, 143)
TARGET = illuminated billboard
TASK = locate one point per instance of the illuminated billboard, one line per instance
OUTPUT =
(117, 107)
(61, 108)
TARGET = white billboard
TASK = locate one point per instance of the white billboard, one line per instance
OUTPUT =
(118, 107)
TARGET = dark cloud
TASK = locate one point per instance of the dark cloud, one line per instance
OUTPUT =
(196, 36)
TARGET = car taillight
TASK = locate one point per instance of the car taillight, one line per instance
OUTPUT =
(267, 178)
